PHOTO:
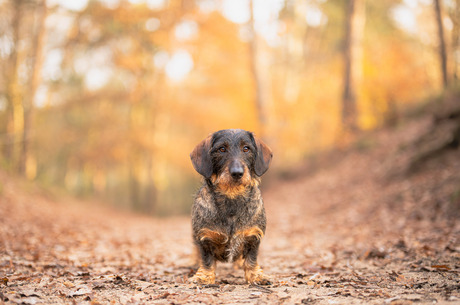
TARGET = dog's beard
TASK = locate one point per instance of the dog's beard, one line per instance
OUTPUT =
(231, 187)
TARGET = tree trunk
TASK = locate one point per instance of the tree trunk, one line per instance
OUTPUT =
(134, 188)
(442, 42)
(354, 26)
(15, 117)
(258, 92)
(150, 191)
(456, 40)
(35, 68)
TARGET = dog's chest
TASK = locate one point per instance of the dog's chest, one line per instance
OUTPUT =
(233, 215)
(235, 219)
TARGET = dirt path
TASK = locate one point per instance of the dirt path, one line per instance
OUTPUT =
(355, 232)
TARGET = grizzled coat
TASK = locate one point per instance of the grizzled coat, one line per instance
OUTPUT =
(228, 215)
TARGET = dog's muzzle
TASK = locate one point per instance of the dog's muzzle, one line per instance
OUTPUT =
(236, 170)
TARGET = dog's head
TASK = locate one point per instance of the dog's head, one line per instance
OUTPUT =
(231, 159)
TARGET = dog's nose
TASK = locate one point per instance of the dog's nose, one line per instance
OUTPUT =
(236, 170)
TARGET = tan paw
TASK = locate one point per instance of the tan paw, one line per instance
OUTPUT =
(203, 277)
(256, 276)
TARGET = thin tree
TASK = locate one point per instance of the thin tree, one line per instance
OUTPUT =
(455, 17)
(15, 117)
(258, 91)
(36, 61)
(352, 54)
(442, 42)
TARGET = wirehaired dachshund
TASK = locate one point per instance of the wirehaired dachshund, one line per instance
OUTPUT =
(228, 215)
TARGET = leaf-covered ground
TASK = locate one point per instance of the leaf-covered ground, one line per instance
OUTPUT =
(357, 228)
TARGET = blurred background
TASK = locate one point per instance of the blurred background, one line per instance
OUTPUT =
(107, 98)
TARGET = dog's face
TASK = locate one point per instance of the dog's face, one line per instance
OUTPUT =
(231, 159)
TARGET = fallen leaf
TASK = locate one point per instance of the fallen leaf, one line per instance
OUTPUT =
(374, 253)
(309, 300)
(26, 301)
(228, 288)
(29, 293)
(163, 295)
(401, 278)
(283, 295)
(443, 267)
(141, 285)
(69, 284)
(82, 290)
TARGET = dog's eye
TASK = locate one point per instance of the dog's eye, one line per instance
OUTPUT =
(245, 148)
(222, 149)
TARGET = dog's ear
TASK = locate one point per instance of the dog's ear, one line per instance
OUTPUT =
(263, 158)
(201, 158)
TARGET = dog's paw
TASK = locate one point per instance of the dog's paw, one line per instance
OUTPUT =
(203, 277)
(264, 280)
(255, 276)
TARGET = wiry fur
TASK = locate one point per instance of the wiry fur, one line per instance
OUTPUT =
(228, 215)
(226, 186)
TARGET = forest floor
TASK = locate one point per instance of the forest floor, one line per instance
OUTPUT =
(360, 227)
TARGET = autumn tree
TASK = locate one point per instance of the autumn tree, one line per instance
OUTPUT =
(259, 92)
(13, 92)
(442, 42)
(454, 13)
(26, 162)
(352, 54)
(108, 98)
(22, 75)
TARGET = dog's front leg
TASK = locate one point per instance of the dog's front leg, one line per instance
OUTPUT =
(206, 273)
(252, 271)
(210, 244)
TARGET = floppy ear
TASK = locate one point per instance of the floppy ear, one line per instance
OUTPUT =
(201, 158)
(263, 158)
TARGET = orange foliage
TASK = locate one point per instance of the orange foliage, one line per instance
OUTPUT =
(128, 137)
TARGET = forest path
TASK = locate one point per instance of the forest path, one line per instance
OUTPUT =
(356, 231)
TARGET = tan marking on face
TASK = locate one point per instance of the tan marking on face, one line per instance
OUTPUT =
(227, 186)
(213, 178)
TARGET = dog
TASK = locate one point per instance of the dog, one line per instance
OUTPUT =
(228, 214)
